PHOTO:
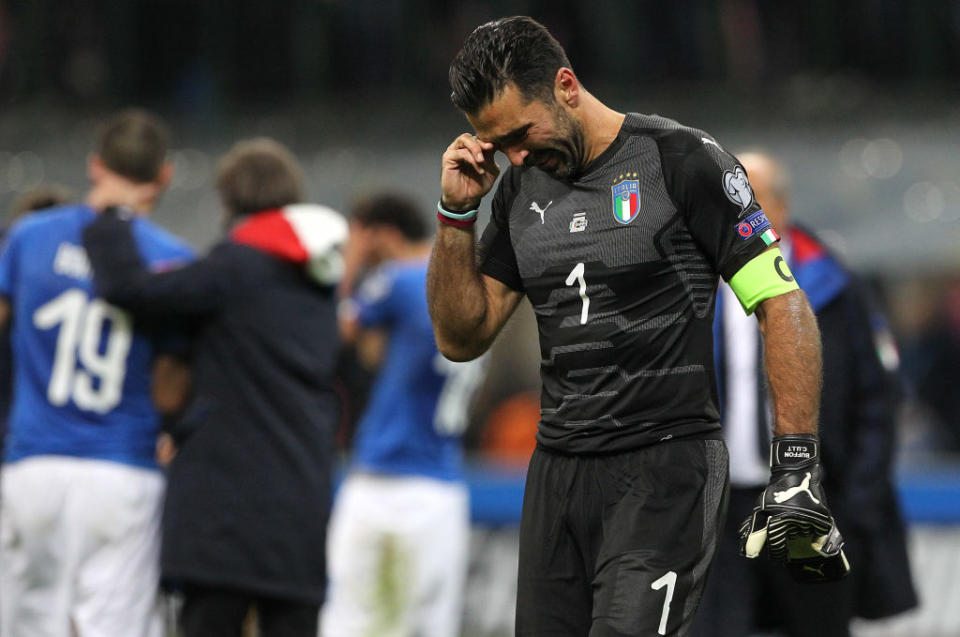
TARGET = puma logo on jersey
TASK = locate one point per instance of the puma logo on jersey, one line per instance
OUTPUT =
(536, 208)
(782, 496)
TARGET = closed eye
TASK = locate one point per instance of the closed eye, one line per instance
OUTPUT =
(512, 138)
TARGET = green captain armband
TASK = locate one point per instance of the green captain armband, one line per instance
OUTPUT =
(762, 277)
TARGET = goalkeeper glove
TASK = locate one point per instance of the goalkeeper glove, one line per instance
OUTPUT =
(791, 518)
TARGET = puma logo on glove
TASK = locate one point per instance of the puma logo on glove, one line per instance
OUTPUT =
(782, 496)
(800, 533)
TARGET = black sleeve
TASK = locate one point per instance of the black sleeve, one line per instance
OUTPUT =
(711, 189)
(121, 277)
(497, 258)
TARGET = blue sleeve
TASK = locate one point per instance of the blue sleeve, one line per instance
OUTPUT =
(8, 262)
(376, 299)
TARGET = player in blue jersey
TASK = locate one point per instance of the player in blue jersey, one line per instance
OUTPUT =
(39, 198)
(81, 490)
(399, 530)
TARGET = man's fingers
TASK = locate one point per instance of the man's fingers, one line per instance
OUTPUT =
(489, 164)
(468, 172)
(755, 542)
(473, 145)
(459, 158)
(830, 544)
(819, 569)
(752, 539)
(779, 530)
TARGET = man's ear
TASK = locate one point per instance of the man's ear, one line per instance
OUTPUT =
(165, 175)
(95, 168)
(566, 87)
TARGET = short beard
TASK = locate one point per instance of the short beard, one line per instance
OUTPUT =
(569, 146)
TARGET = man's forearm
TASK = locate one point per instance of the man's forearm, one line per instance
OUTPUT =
(793, 361)
(456, 295)
(122, 278)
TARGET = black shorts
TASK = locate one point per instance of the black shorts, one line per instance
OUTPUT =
(619, 544)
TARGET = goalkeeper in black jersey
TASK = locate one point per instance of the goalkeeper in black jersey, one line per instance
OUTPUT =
(616, 227)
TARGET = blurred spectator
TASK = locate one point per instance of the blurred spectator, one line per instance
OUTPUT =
(45, 196)
(399, 531)
(249, 488)
(857, 432)
(931, 361)
(81, 490)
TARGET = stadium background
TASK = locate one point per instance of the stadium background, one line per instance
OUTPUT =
(860, 98)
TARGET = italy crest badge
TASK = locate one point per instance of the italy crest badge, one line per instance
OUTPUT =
(626, 198)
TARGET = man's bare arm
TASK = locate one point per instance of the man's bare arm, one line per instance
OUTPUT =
(791, 522)
(793, 361)
(467, 308)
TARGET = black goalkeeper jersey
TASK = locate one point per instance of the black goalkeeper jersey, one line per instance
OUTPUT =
(621, 268)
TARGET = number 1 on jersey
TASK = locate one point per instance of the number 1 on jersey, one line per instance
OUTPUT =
(576, 275)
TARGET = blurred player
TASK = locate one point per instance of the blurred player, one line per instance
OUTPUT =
(248, 495)
(857, 427)
(616, 227)
(81, 490)
(39, 198)
(399, 530)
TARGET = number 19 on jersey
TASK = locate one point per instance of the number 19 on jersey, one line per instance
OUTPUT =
(81, 371)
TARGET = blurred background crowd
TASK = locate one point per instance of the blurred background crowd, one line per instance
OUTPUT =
(861, 99)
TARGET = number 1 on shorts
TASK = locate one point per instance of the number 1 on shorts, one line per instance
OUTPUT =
(670, 581)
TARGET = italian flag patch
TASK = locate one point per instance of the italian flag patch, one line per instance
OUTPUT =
(770, 236)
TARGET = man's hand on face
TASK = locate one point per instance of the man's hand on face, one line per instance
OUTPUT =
(468, 173)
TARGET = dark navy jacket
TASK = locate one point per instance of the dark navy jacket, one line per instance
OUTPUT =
(248, 494)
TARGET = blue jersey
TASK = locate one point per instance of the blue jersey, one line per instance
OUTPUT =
(81, 367)
(418, 406)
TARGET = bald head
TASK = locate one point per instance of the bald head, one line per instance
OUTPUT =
(771, 186)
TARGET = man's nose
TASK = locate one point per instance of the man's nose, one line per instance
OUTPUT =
(516, 155)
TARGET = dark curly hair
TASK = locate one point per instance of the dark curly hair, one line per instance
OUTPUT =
(518, 50)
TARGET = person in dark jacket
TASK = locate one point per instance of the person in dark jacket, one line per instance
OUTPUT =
(249, 487)
(857, 431)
